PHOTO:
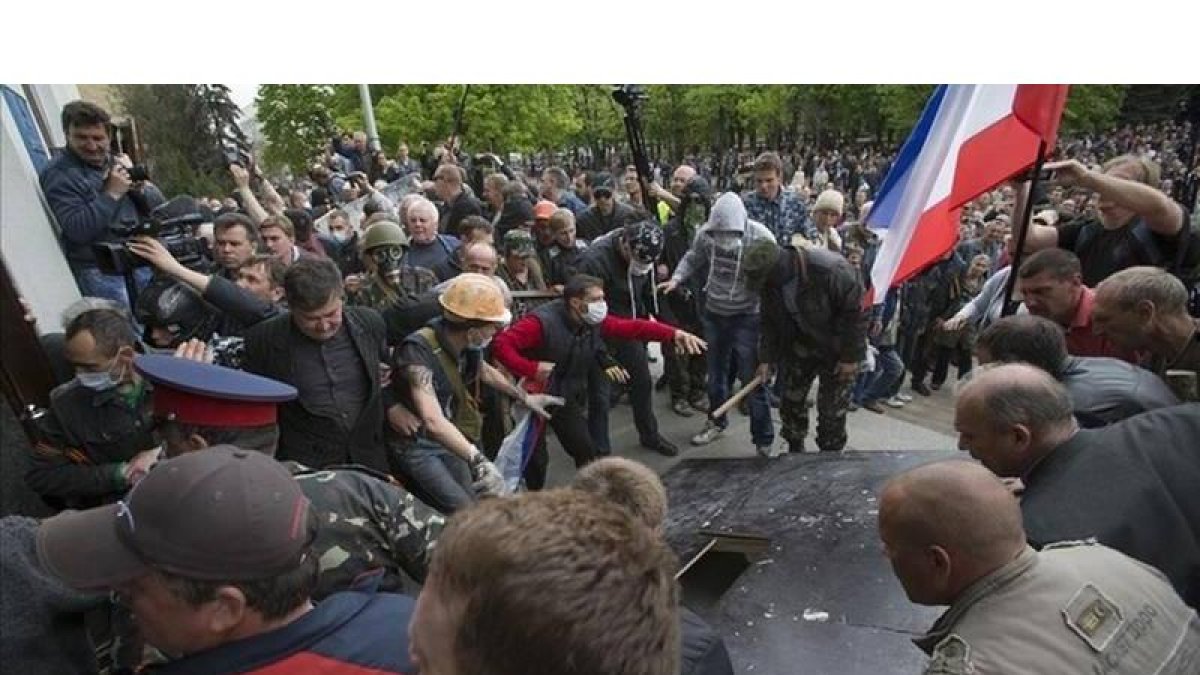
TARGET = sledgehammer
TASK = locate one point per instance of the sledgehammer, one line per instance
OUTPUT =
(735, 399)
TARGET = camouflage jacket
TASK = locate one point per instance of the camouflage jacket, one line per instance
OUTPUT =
(367, 523)
(375, 293)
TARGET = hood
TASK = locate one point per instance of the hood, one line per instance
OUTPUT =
(728, 214)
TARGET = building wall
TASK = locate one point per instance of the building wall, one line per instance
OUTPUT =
(28, 239)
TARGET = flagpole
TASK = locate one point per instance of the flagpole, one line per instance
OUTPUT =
(1009, 307)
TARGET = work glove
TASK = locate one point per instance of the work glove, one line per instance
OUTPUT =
(486, 478)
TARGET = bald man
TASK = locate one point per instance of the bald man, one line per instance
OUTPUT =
(637, 488)
(481, 258)
(953, 535)
(1132, 485)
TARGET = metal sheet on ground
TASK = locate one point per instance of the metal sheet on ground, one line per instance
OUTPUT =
(823, 600)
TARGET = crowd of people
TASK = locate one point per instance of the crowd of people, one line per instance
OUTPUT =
(277, 509)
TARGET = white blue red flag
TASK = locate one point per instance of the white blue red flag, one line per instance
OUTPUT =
(971, 138)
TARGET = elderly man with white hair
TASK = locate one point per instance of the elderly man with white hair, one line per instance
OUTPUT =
(426, 246)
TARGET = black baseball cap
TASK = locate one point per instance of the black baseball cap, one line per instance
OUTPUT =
(224, 514)
(603, 182)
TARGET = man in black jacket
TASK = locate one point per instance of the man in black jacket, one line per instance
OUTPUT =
(99, 426)
(624, 260)
(812, 327)
(332, 355)
(1131, 485)
(1103, 390)
(457, 204)
(606, 213)
(687, 375)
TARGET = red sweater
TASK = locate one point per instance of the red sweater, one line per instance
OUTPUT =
(510, 345)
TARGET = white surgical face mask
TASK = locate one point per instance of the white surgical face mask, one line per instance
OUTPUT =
(101, 381)
(341, 236)
(596, 312)
(640, 269)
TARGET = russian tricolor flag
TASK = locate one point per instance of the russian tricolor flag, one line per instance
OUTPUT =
(971, 138)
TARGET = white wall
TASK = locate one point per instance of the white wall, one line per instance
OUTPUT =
(27, 239)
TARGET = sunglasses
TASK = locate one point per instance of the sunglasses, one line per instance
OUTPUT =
(602, 193)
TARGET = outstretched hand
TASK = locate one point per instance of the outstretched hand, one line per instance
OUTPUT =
(539, 404)
(686, 343)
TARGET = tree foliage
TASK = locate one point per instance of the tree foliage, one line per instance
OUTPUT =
(1092, 107)
(677, 119)
(296, 118)
(184, 129)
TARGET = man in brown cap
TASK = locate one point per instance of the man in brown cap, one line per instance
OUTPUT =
(212, 553)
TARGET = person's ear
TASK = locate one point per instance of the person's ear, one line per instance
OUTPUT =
(1145, 311)
(126, 353)
(1022, 437)
(227, 611)
(939, 561)
(276, 293)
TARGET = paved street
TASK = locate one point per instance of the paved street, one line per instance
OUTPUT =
(925, 424)
(823, 599)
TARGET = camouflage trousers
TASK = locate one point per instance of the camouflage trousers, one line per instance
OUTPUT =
(833, 402)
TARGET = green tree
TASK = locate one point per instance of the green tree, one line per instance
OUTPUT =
(185, 129)
(297, 120)
(1092, 107)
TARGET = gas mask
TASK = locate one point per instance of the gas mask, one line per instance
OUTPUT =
(388, 261)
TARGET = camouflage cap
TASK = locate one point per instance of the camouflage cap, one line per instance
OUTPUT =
(518, 241)
(760, 256)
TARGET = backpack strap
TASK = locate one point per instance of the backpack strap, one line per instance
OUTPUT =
(466, 415)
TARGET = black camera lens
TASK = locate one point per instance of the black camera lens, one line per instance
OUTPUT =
(138, 172)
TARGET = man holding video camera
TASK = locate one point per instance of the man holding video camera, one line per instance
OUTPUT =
(96, 197)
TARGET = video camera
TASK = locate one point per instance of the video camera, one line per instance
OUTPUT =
(173, 223)
(628, 94)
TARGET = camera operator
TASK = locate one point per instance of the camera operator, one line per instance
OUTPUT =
(94, 196)
(253, 298)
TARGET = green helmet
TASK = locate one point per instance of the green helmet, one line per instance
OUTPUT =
(384, 233)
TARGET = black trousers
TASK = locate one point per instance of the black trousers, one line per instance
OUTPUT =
(571, 428)
(632, 357)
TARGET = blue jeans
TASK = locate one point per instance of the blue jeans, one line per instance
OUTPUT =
(95, 284)
(889, 371)
(727, 336)
(436, 476)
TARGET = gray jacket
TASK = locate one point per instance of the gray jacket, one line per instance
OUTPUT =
(1072, 608)
(726, 293)
(1105, 390)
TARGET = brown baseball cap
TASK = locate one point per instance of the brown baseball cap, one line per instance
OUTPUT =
(225, 514)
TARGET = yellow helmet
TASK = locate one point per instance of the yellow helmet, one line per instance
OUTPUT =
(475, 297)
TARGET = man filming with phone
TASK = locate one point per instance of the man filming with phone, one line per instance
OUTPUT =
(95, 197)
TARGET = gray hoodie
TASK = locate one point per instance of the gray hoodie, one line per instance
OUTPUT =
(725, 287)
